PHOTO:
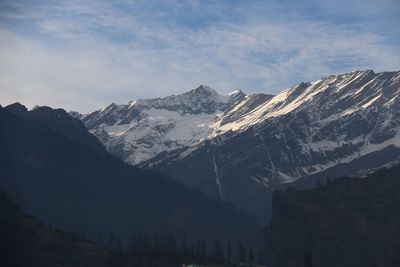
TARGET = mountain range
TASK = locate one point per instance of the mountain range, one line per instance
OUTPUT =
(239, 148)
(202, 168)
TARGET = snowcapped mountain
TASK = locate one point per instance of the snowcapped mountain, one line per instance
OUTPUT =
(239, 147)
(141, 129)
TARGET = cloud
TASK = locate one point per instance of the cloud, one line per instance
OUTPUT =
(83, 56)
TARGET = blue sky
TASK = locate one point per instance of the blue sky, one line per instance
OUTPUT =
(83, 55)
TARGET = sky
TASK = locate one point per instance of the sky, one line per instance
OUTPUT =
(82, 55)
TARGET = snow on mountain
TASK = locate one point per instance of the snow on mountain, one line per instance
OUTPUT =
(239, 147)
(353, 90)
(338, 125)
(141, 129)
(327, 100)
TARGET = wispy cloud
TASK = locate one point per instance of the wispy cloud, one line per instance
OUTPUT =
(83, 55)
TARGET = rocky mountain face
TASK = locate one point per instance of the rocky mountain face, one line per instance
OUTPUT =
(239, 148)
(142, 129)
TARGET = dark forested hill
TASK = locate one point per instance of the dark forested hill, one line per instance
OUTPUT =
(60, 179)
(24, 241)
(347, 222)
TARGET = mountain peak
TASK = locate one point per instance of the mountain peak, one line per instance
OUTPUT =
(235, 92)
(112, 106)
(363, 71)
(204, 91)
(17, 108)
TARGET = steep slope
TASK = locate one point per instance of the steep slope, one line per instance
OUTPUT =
(58, 121)
(347, 122)
(68, 184)
(348, 222)
(253, 144)
(141, 129)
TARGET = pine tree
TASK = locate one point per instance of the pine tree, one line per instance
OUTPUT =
(203, 249)
(198, 248)
(164, 242)
(100, 239)
(241, 253)
(132, 245)
(251, 256)
(144, 242)
(229, 252)
(156, 242)
(192, 251)
(118, 245)
(218, 254)
(184, 247)
(261, 257)
(110, 243)
(171, 244)
(308, 260)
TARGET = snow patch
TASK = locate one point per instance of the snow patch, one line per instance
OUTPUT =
(370, 102)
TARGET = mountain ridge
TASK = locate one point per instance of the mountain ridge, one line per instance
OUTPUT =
(141, 129)
(262, 142)
(72, 185)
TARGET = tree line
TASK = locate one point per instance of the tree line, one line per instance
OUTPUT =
(195, 251)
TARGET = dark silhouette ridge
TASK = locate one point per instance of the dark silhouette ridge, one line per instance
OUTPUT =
(70, 184)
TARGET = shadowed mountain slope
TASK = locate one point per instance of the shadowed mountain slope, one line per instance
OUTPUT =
(73, 186)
